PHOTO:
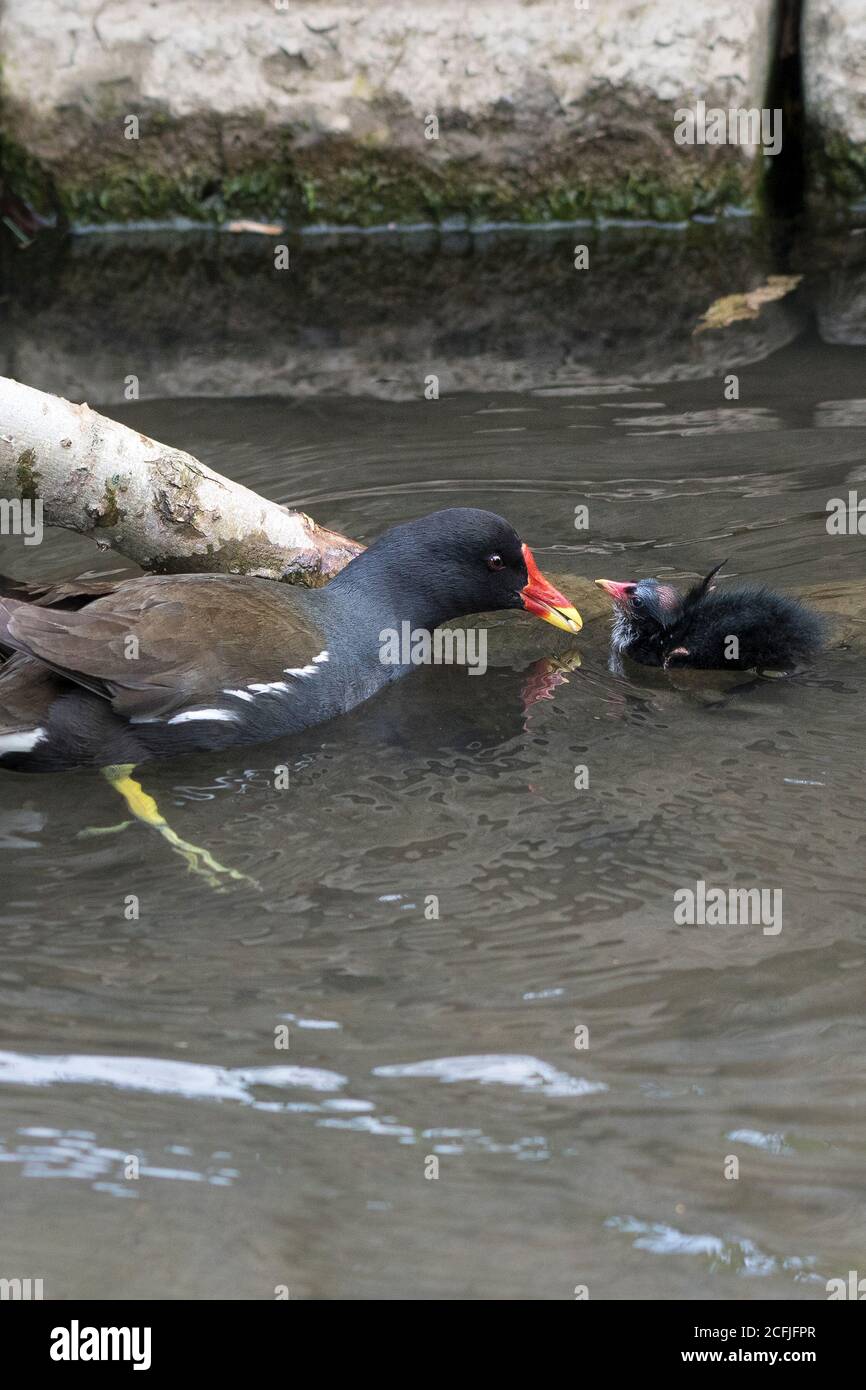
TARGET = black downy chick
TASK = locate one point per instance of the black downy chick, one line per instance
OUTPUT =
(742, 629)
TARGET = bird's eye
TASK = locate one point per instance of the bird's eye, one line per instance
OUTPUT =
(495, 562)
(636, 601)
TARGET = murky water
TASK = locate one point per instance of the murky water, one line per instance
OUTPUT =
(412, 1039)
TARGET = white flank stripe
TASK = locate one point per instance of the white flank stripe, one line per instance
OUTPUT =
(190, 714)
(263, 689)
(21, 743)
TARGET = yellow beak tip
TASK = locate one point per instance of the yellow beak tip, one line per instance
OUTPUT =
(568, 619)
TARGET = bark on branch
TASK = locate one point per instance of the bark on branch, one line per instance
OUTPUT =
(158, 506)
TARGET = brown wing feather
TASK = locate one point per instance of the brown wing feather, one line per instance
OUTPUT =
(64, 593)
(27, 692)
(162, 643)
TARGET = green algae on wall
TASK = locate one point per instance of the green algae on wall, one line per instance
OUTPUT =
(349, 184)
(837, 172)
(24, 174)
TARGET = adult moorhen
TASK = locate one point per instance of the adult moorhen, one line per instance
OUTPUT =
(747, 628)
(112, 674)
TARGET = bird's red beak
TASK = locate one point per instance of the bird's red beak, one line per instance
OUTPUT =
(620, 593)
(540, 597)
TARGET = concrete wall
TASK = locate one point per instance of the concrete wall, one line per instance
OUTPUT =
(318, 112)
(834, 80)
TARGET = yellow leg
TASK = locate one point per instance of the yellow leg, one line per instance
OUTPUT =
(90, 830)
(144, 808)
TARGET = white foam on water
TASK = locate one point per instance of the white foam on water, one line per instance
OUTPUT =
(498, 1069)
(193, 1080)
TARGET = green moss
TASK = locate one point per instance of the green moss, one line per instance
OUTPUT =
(179, 170)
(373, 188)
(363, 196)
(26, 475)
(837, 169)
(26, 176)
(123, 194)
(641, 196)
(111, 515)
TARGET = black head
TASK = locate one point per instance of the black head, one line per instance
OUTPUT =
(456, 562)
(643, 614)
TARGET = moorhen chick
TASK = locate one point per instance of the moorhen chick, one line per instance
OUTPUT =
(114, 673)
(744, 629)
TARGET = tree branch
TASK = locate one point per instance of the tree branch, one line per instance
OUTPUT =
(158, 506)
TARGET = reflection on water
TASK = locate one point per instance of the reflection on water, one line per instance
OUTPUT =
(722, 420)
(580, 1067)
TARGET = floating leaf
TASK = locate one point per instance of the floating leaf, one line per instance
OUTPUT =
(262, 228)
(746, 306)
